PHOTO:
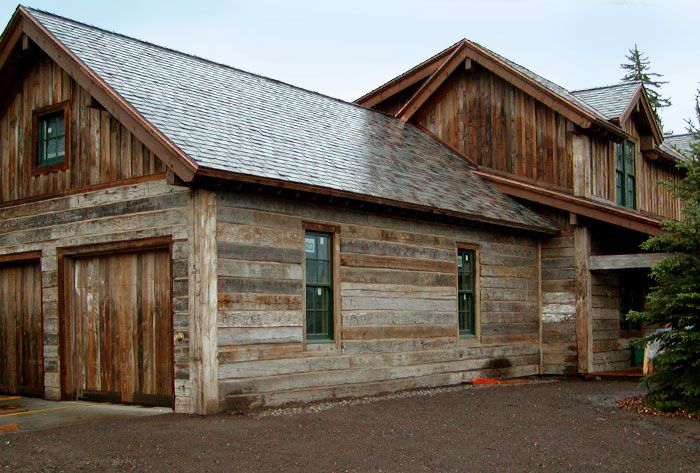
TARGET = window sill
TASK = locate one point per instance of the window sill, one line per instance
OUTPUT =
(321, 345)
(468, 340)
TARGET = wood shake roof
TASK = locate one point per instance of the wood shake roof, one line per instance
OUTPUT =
(230, 123)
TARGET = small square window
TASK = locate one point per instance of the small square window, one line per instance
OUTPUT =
(52, 140)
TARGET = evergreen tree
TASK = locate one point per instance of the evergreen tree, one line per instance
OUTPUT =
(638, 70)
(675, 299)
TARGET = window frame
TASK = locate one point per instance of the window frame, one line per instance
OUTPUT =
(37, 116)
(334, 232)
(466, 334)
(625, 173)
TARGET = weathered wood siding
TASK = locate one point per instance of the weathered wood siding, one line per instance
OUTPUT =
(124, 213)
(501, 127)
(601, 180)
(101, 149)
(610, 352)
(559, 344)
(398, 321)
(654, 197)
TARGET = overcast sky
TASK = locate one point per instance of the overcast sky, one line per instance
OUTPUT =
(345, 48)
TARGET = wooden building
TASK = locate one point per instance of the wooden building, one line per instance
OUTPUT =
(179, 232)
(589, 160)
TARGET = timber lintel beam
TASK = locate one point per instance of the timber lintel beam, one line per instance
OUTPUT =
(631, 261)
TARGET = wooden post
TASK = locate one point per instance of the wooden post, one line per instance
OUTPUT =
(584, 323)
(203, 320)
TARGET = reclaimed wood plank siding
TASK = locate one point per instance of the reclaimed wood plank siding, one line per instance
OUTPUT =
(610, 352)
(117, 328)
(398, 321)
(102, 150)
(119, 214)
(21, 347)
(559, 342)
(500, 127)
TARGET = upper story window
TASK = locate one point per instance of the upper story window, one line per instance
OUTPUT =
(51, 138)
(466, 287)
(625, 178)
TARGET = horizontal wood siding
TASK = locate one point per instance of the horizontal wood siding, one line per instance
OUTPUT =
(559, 349)
(502, 128)
(101, 149)
(125, 213)
(610, 352)
(398, 321)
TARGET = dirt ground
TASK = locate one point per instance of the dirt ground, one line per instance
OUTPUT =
(556, 426)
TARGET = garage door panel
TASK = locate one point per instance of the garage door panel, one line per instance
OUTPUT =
(122, 327)
(21, 334)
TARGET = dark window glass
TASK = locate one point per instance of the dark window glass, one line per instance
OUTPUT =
(625, 179)
(633, 287)
(465, 291)
(319, 285)
(51, 140)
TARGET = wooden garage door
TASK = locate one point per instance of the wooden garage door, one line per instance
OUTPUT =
(119, 329)
(21, 334)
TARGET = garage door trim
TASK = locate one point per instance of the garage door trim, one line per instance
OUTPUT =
(66, 254)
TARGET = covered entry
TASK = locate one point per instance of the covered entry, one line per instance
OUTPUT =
(21, 334)
(117, 326)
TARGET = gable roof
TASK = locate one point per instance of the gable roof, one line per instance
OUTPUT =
(612, 100)
(546, 91)
(234, 124)
(682, 143)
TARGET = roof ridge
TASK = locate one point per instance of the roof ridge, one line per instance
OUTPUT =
(205, 60)
(679, 135)
(410, 70)
(600, 87)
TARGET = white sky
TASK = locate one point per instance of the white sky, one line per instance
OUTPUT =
(345, 48)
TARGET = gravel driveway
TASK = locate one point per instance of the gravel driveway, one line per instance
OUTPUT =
(565, 425)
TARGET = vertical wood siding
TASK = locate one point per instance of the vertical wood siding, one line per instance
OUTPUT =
(118, 328)
(398, 304)
(101, 149)
(502, 128)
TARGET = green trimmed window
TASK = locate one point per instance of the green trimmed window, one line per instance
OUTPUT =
(625, 179)
(51, 140)
(319, 285)
(466, 285)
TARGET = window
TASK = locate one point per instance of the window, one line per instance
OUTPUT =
(632, 293)
(50, 135)
(625, 180)
(319, 285)
(466, 283)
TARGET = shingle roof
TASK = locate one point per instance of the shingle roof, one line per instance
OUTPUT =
(611, 100)
(681, 143)
(233, 121)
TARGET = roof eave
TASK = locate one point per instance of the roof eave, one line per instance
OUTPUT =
(327, 191)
